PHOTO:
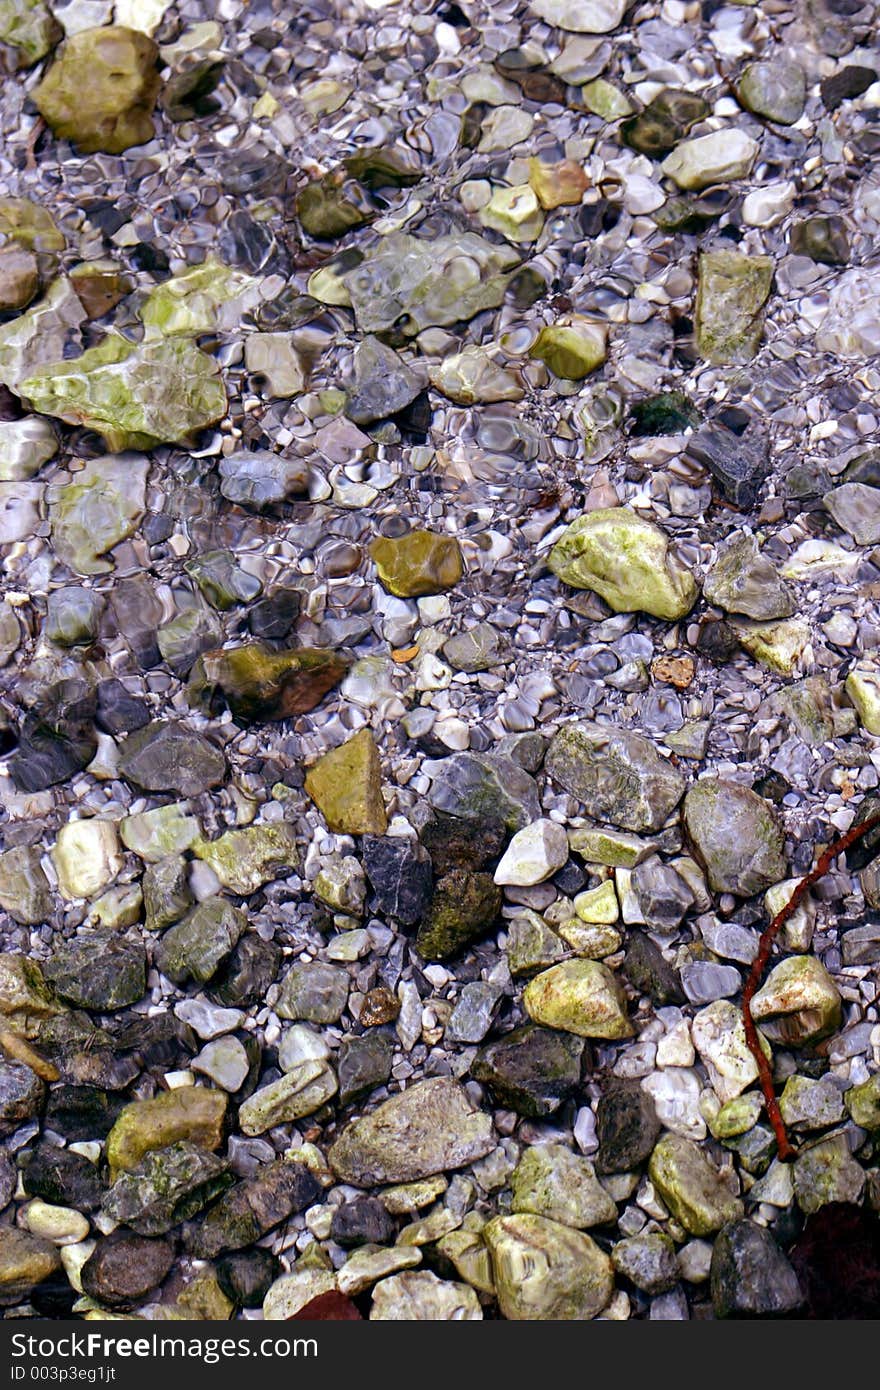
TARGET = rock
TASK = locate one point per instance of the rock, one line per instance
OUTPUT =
(384, 383)
(665, 121)
(86, 857)
(464, 906)
(732, 290)
(778, 646)
(99, 970)
(21, 1095)
(625, 559)
(863, 1103)
(346, 786)
(822, 239)
(341, 884)
(247, 972)
(73, 617)
(551, 1181)
(473, 376)
(572, 347)
(776, 89)
(225, 1062)
(30, 27)
(25, 445)
(293, 1294)
(619, 775)
(721, 157)
(315, 992)
(486, 789)
(244, 860)
(97, 509)
(719, 1036)
(848, 82)
(704, 981)
(807, 1104)
(371, 1263)
(169, 757)
(191, 1113)
(856, 509)
(221, 581)
(417, 564)
(750, 1276)
(532, 945)
(273, 359)
(689, 1185)
(647, 1261)
(743, 580)
(62, 1178)
(479, 648)
(192, 302)
(579, 996)
(474, 1012)
(545, 1271)
(24, 888)
(531, 1070)
(135, 395)
(661, 893)
(827, 1173)
(413, 283)
(246, 1275)
(299, 1092)
(261, 480)
(25, 999)
(123, 1268)
(649, 972)
(101, 89)
(260, 684)
(60, 1225)
(167, 894)
(157, 834)
(534, 854)
(421, 1297)
(167, 1186)
(99, 286)
(599, 846)
(19, 278)
(739, 462)
(25, 1261)
(580, 16)
(429, 1128)
(849, 325)
(252, 1208)
(399, 873)
(363, 1063)
(799, 1003)
(363, 1221)
(198, 945)
(863, 688)
(736, 835)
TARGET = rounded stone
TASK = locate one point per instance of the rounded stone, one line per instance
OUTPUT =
(579, 996)
(546, 1271)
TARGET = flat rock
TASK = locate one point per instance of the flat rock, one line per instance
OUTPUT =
(346, 786)
(168, 757)
(737, 836)
(618, 775)
(531, 1070)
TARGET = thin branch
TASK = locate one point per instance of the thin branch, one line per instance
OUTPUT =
(855, 833)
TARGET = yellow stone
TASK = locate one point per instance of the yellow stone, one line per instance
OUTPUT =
(346, 786)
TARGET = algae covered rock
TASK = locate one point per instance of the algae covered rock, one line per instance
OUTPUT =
(191, 1113)
(100, 970)
(258, 683)
(464, 906)
(798, 1003)
(579, 996)
(544, 1270)
(618, 775)
(732, 290)
(196, 301)
(29, 26)
(198, 945)
(572, 348)
(691, 1187)
(737, 836)
(625, 559)
(100, 506)
(551, 1181)
(136, 395)
(346, 786)
(431, 1127)
(531, 1070)
(245, 859)
(100, 91)
(418, 563)
(168, 1185)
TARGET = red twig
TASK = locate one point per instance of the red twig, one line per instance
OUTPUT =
(785, 1148)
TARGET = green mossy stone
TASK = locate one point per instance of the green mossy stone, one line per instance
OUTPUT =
(198, 945)
(551, 1181)
(737, 836)
(258, 683)
(29, 26)
(618, 775)
(465, 905)
(417, 564)
(25, 998)
(546, 1271)
(223, 583)
(863, 1103)
(732, 291)
(346, 786)
(100, 91)
(776, 90)
(571, 348)
(168, 1185)
(191, 1113)
(625, 559)
(191, 302)
(799, 1003)
(297, 1093)
(244, 860)
(691, 1187)
(101, 506)
(582, 997)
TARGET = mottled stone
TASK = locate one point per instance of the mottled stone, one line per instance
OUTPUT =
(464, 906)
(244, 860)
(252, 1208)
(544, 1270)
(258, 683)
(419, 1296)
(99, 970)
(299, 1092)
(191, 1113)
(101, 89)
(418, 563)
(720, 157)
(123, 1268)
(24, 888)
(776, 89)
(750, 1276)
(732, 290)
(827, 1173)
(484, 789)
(691, 1187)
(579, 996)
(21, 1095)
(315, 992)
(531, 1070)
(167, 1186)
(98, 508)
(169, 757)
(798, 1003)
(26, 1261)
(625, 559)
(346, 786)
(617, 774)
(551, 1181)
(737, 836)
(743, 580)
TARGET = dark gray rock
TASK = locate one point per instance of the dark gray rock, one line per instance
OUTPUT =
(399, 872)
(750, 1276)
(124, 1268)
(362, 1064)
(62, 1178)
(531, 1070)
(648, 971)
(251, 1208)
(168, 1186)
(169, 757)
(248, 972)
(198, 946)
(627, 1127)
(362, 1222)
(100, 970)
(246, 1275)
(21, 1095)
(738, 461)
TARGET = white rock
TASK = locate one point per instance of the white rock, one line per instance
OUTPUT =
(676, 1097)
(851, 326)
(208, 1020)
(87, 856)
(720, 1039)
(767, 206)
(533, 855)
(717, 158)
(300, 1043)
(581, 16)
(61, 1225)
(225, 1062)
(675, 1049)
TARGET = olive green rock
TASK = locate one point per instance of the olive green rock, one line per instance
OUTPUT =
(827, 1173)
(776, 89)
(191, 302)
(244, 860)
(29, 26)
(618, 775)
(25, 998)
(98, 508)
(571, 348)
(30, 225)
(551, 1181)
(743, 580)
(863, 1103)
(167, 1186)
(431, 1127)
(732, 291)
(579, 996)
(190, 1113)
(546, 1271)
(301, 1091)
(799, 1003)
(32, 341)
(25, 1261)
(737, 835)
(346, 786)
(625, 559)
(691, 1187)
(197, 946)
(101, 89)
(135, 395)
(419, 563)
(464, 906)
(157, 834)
(258, 683)
(24, 887)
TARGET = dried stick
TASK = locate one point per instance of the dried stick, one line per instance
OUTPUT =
(855, 833)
